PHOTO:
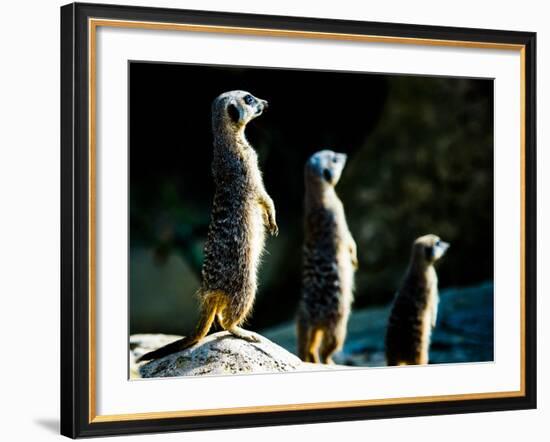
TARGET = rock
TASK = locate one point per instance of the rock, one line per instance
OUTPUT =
(143, 343)
(218, 354)
(464, 333)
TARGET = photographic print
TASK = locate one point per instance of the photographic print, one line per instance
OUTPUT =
(293, 220)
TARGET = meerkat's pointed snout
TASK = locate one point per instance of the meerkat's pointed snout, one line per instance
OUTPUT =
(261, 106)
(435, 247)
(443, 246)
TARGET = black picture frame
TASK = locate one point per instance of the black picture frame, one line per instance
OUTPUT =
(76, 418)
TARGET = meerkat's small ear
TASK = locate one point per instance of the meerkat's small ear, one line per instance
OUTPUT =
(429, 253)
(233, 113)
(327, 174)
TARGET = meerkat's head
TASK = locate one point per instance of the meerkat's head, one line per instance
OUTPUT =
(236, 108)
(325, 167)
(428, 249)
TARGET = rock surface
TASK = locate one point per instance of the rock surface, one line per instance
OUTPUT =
(143, 343)
(218, 354)
(463, 333)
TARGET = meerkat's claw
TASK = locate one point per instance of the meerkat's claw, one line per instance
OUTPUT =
(251, 338)
(244, 334)
(272, 223)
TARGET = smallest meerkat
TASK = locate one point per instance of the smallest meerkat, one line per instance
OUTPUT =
(414, 311)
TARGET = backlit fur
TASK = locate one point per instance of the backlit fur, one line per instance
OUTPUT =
(414, 311)
(241, 212)
(329, 262)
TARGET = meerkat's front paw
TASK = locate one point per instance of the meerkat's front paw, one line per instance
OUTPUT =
(273, 228)
(353, 253)
(269, 215)
(270, 222)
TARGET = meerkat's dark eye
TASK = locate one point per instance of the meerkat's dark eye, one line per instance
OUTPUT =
(334, 159)
(438, 243)
(249, 99)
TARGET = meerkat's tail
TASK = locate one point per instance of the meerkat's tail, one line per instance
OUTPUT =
(209, 309)
(173, 347)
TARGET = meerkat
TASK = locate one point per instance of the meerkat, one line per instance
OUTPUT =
(242, 210)
(329, 262)
(414, 310)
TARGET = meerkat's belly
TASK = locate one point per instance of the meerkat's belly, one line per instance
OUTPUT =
(255, 235)
(346, 272)
(234, 245)
(426, 330)
(429, 317)
(327, 285)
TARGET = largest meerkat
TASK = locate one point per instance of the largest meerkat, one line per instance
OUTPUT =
(414, 311)
(329, 262)
(242, 210)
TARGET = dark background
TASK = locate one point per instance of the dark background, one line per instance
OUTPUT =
(420, 161)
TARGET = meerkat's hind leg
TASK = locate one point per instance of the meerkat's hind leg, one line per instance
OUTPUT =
(422, 358)
(395, 358)
(303, 338)
(230, 320)
(329, 346)
(209, 307)
(309, 339)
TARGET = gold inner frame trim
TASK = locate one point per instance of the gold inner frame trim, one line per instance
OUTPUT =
(93, 24)
(297, 407)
